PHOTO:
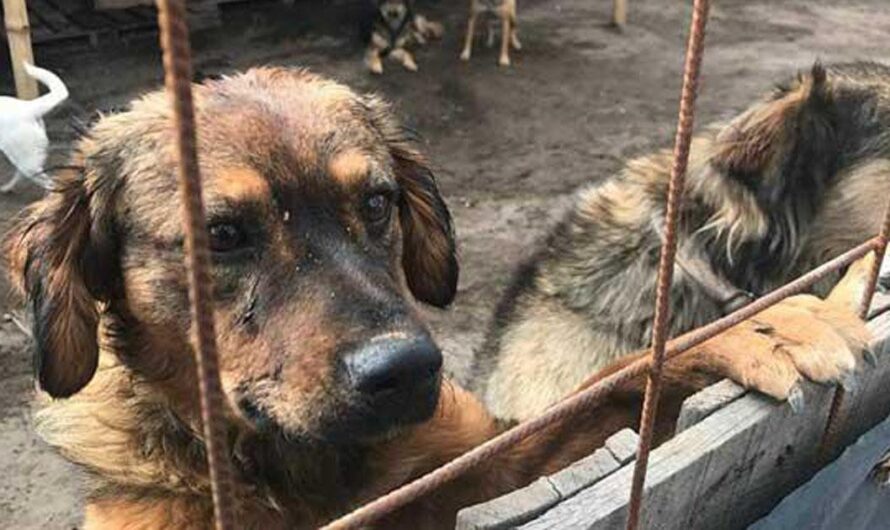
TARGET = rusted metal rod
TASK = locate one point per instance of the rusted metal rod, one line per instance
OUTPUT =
(691, 70)
(836, 419)
(177, 78)
(585, 399)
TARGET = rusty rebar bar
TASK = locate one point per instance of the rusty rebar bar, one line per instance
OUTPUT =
(177, 79)
(836, 419)
(683, 141)
(584, 399)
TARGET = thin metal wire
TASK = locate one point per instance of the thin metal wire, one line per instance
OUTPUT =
(682, 142)
(836, 419)
(177, 78)
(584, 399)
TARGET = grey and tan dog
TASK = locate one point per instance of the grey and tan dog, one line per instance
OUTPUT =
(505, 11)
(799, 177)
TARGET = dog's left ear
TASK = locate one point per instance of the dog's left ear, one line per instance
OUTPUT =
(429, 255)
(786, 143)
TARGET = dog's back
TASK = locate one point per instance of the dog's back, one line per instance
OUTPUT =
(796, 179)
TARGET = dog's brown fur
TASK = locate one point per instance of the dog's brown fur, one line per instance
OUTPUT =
(290, 156)
(505, 11)
(796, 179)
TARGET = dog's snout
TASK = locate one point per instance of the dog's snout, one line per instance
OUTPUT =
(387, 365)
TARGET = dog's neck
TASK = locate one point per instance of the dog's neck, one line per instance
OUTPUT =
(123, 430)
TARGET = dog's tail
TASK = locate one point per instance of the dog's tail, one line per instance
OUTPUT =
(58, 92)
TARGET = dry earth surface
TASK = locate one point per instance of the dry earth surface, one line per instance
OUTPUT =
(509, 144)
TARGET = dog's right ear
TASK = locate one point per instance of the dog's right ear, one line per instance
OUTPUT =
(57, 250)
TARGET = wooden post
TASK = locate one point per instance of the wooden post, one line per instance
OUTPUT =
(619, 13)
(18, 34)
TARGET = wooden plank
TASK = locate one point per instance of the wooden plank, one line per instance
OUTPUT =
(18, 36)
(121, 4)
(746, 456)
(50, 15)
(584, 473)
(700, 405)
(526, 503)
(509, 510)
(623, 445)
(843, 495)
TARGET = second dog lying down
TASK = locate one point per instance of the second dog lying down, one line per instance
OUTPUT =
(799, 177)
(325, 226)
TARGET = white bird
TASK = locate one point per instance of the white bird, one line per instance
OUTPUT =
(22, 133)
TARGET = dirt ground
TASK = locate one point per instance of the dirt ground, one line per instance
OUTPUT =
(509, 144)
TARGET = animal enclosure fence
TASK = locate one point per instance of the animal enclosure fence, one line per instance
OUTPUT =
(174, 38)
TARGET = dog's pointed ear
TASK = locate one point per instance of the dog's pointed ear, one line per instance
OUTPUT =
(783, 142)
(429, 255)
(53, 253)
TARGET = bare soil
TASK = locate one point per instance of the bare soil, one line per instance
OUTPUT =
(509, 144)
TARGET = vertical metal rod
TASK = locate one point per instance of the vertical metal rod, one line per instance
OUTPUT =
(836, 420)
(683, 140)
(177, 78)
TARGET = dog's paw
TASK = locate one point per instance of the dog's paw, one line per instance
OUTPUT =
(800, 338)
(465, 55)
(375, 67)
(504, 61)
(409, 64)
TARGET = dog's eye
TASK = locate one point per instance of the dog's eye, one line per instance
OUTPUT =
(226, 237)
(377, 208)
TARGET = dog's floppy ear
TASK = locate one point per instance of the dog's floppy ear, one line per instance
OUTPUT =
(785, 143)
(429, 255)
(56, 250)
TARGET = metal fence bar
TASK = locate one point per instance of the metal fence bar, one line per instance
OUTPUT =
(177, 79)
(585, 399)
(835, 419)
(691, 70)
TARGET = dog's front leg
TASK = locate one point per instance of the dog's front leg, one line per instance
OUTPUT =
(372, 56)
(505, 40)
(468, 39)
(404, 56)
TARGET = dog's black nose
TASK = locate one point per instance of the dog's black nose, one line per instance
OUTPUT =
(394, 365)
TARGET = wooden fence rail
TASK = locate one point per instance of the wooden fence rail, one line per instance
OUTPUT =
(734, 457)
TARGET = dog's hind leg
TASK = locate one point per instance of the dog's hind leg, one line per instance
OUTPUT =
(514, 33)
(468, 39)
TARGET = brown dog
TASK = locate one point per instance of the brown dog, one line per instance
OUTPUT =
(505, 11)
(324, 225)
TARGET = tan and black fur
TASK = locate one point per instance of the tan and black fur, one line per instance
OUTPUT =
(395, 30)
(798, 178)
(325, 226)
(505, 12)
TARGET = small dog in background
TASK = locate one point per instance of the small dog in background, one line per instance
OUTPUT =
(505, 10)
(22, 133)
(396, 28)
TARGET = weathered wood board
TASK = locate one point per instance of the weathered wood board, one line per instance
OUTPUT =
(734, 457)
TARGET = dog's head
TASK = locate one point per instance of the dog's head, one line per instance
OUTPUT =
(323, 222)
(393, 11)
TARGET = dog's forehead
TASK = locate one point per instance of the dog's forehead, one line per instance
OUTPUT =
(286, 117)
(258, 133)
